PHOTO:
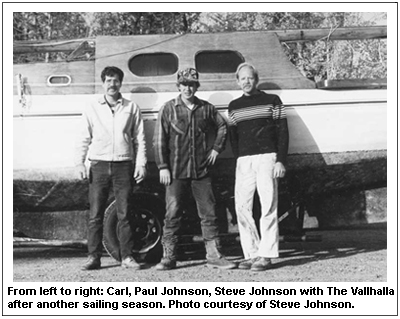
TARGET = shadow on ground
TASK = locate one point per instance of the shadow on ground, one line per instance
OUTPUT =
(334, 244)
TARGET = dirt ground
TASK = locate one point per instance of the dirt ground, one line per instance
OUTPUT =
(341, 256)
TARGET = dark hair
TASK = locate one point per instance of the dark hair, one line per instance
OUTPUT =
(197, 84)
(111, 71)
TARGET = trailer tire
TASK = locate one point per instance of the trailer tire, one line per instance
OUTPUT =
(146, 221)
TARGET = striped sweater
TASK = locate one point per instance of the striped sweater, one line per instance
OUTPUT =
(259, 126)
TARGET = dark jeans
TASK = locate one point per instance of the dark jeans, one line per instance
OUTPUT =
(175, 197)
(103, 176)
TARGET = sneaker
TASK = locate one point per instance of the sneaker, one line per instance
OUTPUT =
(246, 264)
(92, 263)
(221, 263)
(129, 262)
(261, 264)
(166, 264)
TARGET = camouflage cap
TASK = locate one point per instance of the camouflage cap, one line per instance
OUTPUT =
(189, 75)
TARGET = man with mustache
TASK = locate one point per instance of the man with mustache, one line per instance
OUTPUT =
(259, 139)
(184, 155)
(112, 133)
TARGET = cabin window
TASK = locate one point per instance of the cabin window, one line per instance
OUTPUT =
(222, 61)
(59, 80)
(154, 64)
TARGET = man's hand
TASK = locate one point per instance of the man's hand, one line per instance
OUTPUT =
(212, 157)
(139, 174)
(165, 176)
(279, 170)
(81, 172)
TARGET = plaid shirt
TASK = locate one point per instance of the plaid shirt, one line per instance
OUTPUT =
(183, 138)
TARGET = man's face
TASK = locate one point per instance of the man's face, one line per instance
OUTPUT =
(188, 90)
(112, 85)
(247, 81)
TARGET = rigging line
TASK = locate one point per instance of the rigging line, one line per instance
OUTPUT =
(331, 31)
(115, 54)
(44, 44)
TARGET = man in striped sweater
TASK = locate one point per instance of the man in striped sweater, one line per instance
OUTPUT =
(259, 137)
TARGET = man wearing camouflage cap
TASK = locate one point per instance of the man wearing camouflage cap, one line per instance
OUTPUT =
(184, 154)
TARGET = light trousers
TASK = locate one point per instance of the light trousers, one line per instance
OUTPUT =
(256, 172)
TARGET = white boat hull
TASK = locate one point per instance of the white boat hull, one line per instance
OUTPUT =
(45, 133)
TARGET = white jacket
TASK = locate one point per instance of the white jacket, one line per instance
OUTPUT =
(111, 137)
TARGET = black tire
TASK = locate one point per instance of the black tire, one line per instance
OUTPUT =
(146, 221)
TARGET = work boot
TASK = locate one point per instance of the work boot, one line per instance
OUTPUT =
(221, 263)
(166, 264)
(246, 264)
(131, 263)
(168, 261)
(92, 262)
(215, 258)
